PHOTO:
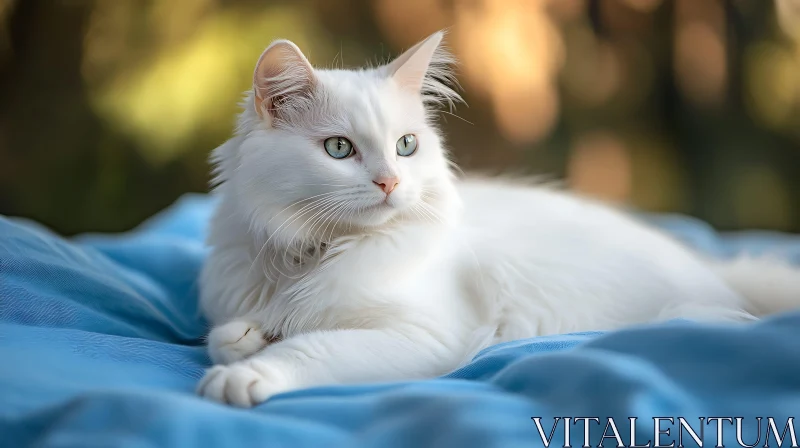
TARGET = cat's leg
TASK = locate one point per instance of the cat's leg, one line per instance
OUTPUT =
(336, 357)
(235, 341)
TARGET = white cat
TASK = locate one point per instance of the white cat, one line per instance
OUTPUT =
(345, 250)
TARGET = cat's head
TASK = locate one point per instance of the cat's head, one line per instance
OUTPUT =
(320, 151)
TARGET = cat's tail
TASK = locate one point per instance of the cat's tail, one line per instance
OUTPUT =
(770, 284)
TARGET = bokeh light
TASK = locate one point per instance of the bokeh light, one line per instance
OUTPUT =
(600, 166)
(700, 50)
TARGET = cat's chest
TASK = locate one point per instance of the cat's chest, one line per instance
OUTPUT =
(327, 300)
(368, 285)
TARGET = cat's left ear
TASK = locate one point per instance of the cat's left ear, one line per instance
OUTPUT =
(410, 68)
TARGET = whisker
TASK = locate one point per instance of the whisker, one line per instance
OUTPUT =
(322, 235)
(339, 219)
(460, 118)
(425, 208)
(305, 209)
(298, 202)
(328, 203)
(333, 202)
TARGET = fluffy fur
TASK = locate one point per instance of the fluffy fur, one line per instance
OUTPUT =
(316, 276)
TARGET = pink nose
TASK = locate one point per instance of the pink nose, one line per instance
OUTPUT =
(387, 184)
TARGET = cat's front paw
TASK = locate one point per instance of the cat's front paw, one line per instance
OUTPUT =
(244, 384)
(235, 341)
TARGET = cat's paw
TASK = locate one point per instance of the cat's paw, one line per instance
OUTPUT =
(235, 341)
(244, 384)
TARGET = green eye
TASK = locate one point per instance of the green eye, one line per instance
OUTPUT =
(338, 147)
(406, 145)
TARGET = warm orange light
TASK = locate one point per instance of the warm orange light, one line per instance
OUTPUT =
(512, 52)
(600, 166)
(788, 12)
(700, 51)
(406, 22)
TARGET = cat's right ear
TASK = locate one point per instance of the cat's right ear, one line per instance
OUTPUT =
(283, 80)
(411, 68)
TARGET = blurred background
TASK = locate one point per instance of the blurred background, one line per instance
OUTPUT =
(109, 108)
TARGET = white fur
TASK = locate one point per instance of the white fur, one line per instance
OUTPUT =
(235, 341)
(363, 287)
(768, 282)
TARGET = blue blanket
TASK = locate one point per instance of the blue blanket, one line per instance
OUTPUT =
(101, 345)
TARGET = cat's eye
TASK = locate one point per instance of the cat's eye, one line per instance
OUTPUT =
(406, 145)
(338, 147)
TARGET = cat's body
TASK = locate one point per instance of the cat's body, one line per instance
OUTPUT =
(383, 266)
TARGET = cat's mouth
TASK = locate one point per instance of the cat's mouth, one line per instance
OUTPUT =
(379, 211)
(385, 202)
(380, 205)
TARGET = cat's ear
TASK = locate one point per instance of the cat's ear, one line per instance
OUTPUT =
(410, 68)
(283, 80)
(425, 69)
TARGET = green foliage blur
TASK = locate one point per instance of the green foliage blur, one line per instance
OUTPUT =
(109, 108)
